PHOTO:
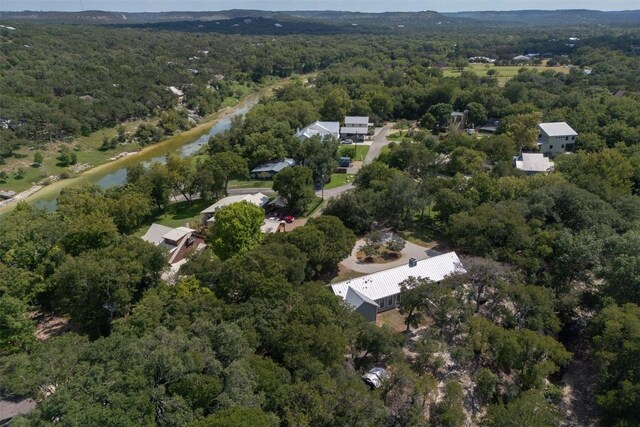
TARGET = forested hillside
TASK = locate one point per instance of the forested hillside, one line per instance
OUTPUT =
(541, 329)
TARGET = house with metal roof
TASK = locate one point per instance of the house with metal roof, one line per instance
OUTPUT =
(556, 138)
(355, 127)
(380, 291)
(532, 163)
(268, 170)
(178, 242)
(257, 199)
(319, 128)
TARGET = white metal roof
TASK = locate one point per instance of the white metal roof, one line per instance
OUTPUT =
(534, 162)
(155, 233)
(557, 129)
(257, 199)
(387, 282)
(356, 120)
(176, 234)
(320, 128)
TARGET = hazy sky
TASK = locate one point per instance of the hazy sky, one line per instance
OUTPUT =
(353, 5)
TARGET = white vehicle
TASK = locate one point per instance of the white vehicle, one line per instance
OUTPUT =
(375, 377)
(347, 141)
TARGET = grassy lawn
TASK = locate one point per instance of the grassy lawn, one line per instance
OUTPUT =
(397, 137)
(393, 319)
(177, 215)
(235, 183)
(339, 179)
(350, 151)
(504, 72)
(86, 147)
(385, 151)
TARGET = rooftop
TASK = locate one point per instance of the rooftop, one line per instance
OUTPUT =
(557, 129)
(387, 282)
(177, 233)
(319, 128)
(360, 130)
(257, 199)
(533, 162)
(356, 120)
(274, 166)
(155, 234)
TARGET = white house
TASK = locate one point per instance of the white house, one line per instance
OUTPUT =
(532, 163)
(319, 128)
(380, 291)
(257, 199)
(355, 127)
(556, 137)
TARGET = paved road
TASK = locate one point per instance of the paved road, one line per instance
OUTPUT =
(379, 142)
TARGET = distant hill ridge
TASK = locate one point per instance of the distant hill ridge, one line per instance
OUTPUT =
(552, 17)
(340, 18)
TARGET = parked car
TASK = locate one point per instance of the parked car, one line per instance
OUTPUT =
(375, 377)
(347, 141)
(287, 218)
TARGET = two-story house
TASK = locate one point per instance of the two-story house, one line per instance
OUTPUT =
(556, 138)
(355, 127)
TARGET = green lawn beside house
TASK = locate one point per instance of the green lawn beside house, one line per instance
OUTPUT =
(357, 152)
(339, 179)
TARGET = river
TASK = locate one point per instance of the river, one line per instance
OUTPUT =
(114, 173)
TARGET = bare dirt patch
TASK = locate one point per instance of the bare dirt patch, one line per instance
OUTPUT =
(48, 325)
(393, 319)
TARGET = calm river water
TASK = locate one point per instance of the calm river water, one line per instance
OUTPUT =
(110, 177)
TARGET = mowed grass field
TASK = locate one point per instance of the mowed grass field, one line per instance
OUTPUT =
(504, 72)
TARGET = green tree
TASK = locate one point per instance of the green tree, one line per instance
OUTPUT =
(336, 104)
(523, 129)
(38, 158)
(67, 157)
(180, 175)
(238, 416)
(321, 156)
(209, 179)
(236, 229)
(616, 339)
(477, 113)
(16, 329)
(339, 240)
(528, 410)
(231, 165)
(157, 182)
(441, 112)
(450, 411)
(355, 209)
(295, 185)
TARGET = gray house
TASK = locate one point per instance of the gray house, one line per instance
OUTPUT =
(556, 138)
(355, 127)
(268, 170)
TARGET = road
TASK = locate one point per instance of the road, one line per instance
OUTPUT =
(379, 142)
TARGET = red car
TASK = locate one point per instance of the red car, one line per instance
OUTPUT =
(287, 218)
